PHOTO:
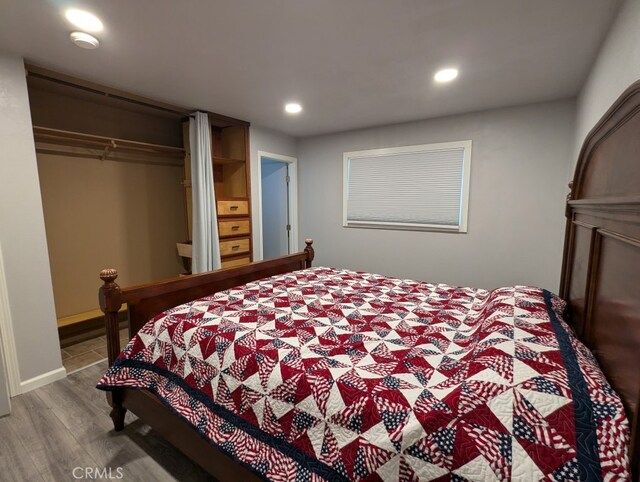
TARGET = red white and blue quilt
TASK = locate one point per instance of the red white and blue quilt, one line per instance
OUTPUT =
(325, 374)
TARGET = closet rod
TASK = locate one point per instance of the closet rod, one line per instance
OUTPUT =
(53, 152)
(76, 139)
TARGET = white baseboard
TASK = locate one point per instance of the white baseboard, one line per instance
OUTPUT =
(42, 380)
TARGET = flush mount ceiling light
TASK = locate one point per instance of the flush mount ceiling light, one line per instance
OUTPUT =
(84, 40)
(84, 20)
(445, 75)
(293, 108)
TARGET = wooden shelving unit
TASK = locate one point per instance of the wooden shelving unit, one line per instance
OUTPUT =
(231, 176)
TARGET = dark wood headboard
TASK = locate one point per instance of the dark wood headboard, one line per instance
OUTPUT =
(601, 263)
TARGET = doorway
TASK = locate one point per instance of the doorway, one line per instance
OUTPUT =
(277, 210)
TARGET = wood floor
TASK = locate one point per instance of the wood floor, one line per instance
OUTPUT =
(65, 425)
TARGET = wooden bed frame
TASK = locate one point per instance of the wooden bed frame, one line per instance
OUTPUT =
(600, 280)
(601, 261)
(143, 303)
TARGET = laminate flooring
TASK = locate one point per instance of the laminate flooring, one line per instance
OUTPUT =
(62, 432)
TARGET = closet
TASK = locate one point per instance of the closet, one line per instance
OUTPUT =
(111, 169)
(115, 178)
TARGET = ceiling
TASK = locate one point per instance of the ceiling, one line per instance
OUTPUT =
(351, 64)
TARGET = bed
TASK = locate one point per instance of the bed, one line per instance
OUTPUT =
(281, 371)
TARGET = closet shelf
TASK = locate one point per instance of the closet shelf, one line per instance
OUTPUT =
(108, 148)
(227, 160)
(82, 317)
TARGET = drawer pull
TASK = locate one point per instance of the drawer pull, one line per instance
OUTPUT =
(234, 208)
(235, 228)
(235, 246)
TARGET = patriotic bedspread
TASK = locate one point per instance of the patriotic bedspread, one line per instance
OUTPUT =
(325, 374)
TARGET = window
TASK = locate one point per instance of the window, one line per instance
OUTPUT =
(415, 187)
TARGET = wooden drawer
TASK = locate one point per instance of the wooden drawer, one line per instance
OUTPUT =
(238, 227)
(234, 246)
(233, 208)
(235, 262)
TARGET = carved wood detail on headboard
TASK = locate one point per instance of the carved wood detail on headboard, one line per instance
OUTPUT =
(601, 263)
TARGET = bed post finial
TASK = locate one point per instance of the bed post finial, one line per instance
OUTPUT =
(108, 275)
(309, 251)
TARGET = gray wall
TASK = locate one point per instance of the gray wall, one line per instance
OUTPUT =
(520, 157)
(22, 234)
(616, 67)
(262, 139)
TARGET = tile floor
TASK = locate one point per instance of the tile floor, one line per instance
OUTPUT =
(88, 352)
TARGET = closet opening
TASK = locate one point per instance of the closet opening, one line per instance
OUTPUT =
(111, 170)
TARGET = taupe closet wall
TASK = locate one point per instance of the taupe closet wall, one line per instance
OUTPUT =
(106, 213)
(70, 108)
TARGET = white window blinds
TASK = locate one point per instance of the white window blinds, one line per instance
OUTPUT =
(423, 187)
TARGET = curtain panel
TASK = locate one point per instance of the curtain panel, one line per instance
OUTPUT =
(206, 248)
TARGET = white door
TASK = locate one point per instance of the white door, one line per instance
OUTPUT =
(276, 226)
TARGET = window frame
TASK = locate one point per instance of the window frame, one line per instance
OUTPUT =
(464, 201)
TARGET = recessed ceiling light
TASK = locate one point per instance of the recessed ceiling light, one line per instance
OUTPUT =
(293, 108)
(84, 20)
(445, 75)
(84, 40)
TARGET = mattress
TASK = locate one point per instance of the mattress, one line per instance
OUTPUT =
(327, 374)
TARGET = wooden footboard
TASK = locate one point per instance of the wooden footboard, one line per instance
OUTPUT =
(146, 301)
(143, 303)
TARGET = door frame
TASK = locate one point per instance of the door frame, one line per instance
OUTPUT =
(7, 338)
(292, 162)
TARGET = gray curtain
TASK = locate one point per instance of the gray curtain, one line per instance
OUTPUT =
(206, 249)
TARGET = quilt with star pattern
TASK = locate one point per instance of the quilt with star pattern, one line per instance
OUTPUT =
(334, 375)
